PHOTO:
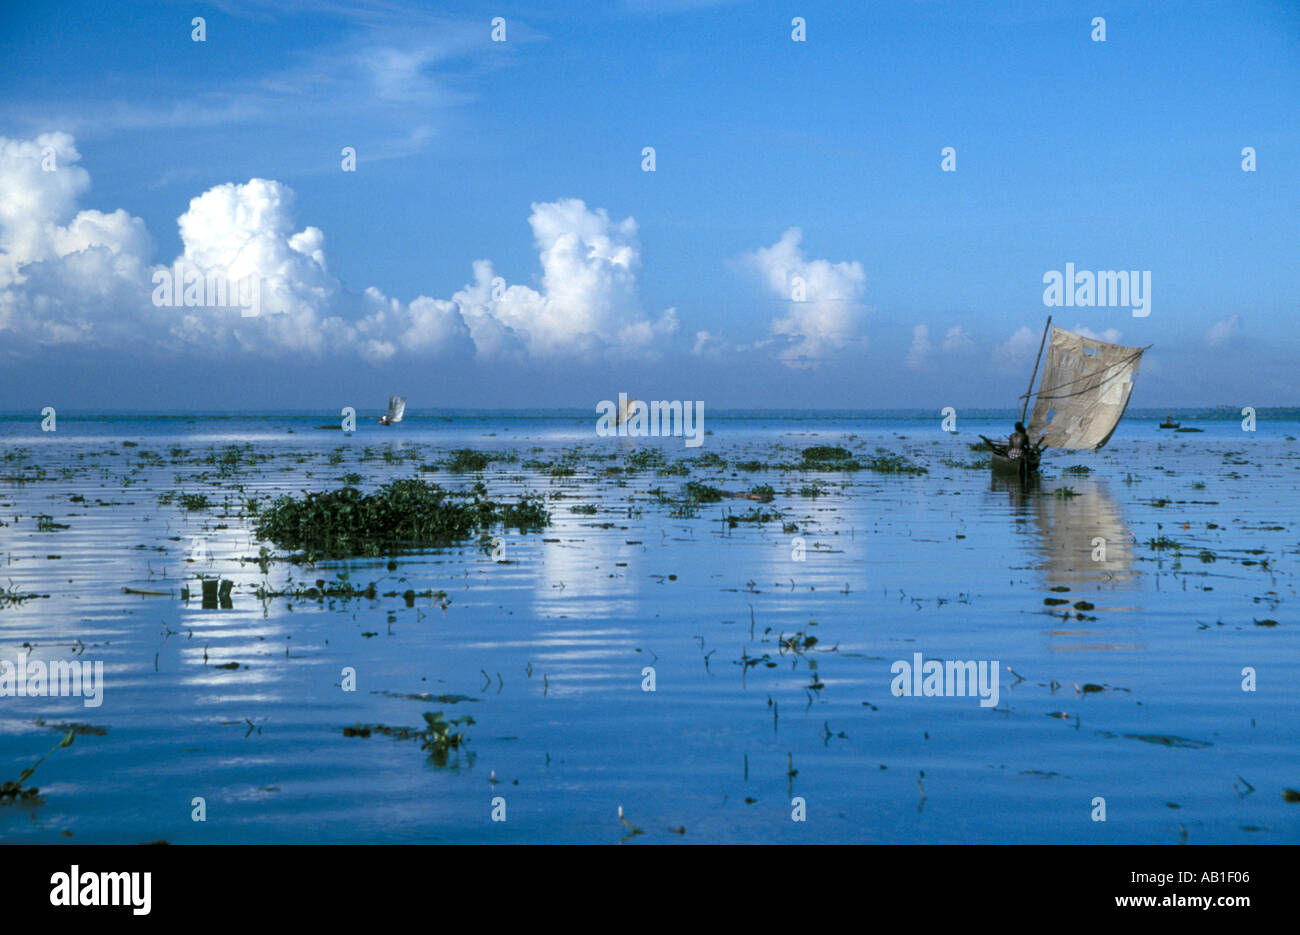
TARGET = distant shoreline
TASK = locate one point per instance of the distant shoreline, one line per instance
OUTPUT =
(1195, 414)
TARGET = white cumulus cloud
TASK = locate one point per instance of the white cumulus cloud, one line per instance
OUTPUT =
(587, 303)
(1221, 332)
(823, 299)
(1019, 348)
(1110, 335)
(63, 275)
(919, 354)
(87, 276)
(957, 339)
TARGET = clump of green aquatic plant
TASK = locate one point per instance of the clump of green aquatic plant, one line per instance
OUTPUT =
(439, 736)
(797, 643)
(559, 468)
(835, 458)
(13, 791)
(351, 479)
(764, 493)
(187, 501)
(29, 473)
(1163, 542)
(886, 462)
(1065, 493)
(750, 466)
(193, 501)
(756, 515)
(695, 492)
(1077, 469)
(231, 459)
(676, 469)
(586, 509)
(403, 514)
(468, 461)
(528, 513)
(711, 459)
(12, 595)
(645, 458)
(826, 453)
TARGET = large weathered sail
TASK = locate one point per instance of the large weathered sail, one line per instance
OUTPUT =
(1084, 391)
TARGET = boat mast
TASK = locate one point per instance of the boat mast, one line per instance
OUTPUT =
(1030, 391)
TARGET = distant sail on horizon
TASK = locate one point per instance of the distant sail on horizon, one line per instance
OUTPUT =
(624, 412)
(396, 409)
(1084, 390)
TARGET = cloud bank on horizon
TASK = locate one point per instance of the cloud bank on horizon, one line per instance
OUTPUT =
(70, 275)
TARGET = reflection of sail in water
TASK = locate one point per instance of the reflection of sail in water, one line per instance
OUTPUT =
(1069, 529)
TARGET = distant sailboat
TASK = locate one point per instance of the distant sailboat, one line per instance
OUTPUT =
(624, 410)
(396, 409)
(1084, 391)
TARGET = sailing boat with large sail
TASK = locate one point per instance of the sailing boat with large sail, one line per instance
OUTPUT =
(396, 410)
(1084, 390)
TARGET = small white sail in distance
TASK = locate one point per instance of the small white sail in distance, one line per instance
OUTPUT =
(396, 409)
(624, 410)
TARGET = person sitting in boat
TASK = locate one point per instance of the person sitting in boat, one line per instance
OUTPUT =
(1018, 440)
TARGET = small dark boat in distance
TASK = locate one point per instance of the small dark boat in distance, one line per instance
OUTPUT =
(1169, 423)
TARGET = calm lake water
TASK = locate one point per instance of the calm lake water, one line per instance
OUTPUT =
(1137, 699)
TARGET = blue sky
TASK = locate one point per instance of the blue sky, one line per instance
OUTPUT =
(924, 286)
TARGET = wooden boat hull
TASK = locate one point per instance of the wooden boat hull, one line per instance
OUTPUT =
(1022, 467)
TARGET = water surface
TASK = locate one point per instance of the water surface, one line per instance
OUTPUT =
(548, 650)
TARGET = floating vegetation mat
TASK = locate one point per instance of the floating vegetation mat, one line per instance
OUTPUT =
(402, 515)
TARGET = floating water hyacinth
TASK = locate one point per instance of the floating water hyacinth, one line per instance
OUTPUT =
(401, 515)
